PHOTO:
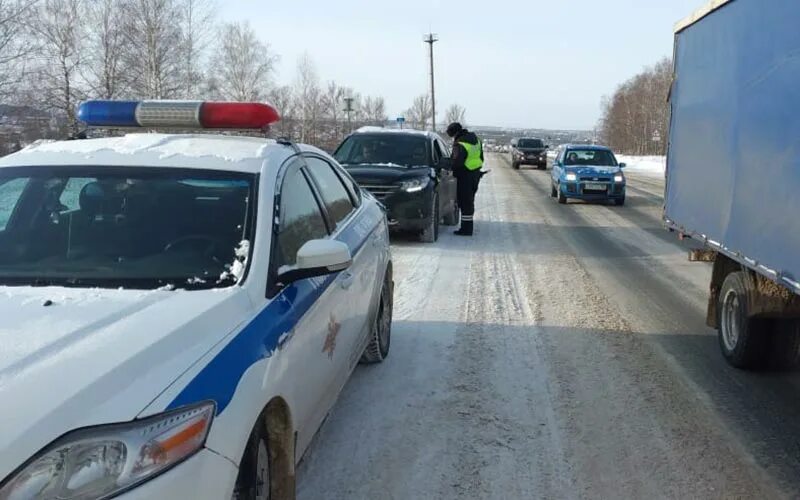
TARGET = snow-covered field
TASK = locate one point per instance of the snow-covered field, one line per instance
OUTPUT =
(646, 165)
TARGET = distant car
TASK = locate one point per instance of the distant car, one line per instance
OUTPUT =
(527, 151)
(590, 173)
(180, 312)
(410, 172)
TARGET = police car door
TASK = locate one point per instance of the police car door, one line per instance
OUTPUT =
(356, 283)
(317, 303)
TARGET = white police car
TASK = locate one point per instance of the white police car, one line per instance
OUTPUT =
(178, 313)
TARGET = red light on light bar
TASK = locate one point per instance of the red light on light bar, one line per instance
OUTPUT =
(237, 115)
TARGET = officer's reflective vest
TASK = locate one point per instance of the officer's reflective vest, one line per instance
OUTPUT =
(473, 161)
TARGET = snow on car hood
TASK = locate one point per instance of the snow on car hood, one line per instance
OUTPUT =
(97, 356)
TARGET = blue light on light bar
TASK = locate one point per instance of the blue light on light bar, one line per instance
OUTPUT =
(109, 113)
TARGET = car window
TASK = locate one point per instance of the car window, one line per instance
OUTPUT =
(530, 143)
(445, 149)
(300, 219)
(70, 195)
(351, 185)
(10, 193)
(437, 152)
(384, 149)
(593, 157)
(334, 195)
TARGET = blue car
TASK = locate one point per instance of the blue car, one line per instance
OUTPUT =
(589, 173)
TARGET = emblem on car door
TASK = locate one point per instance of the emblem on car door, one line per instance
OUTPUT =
(330, 339)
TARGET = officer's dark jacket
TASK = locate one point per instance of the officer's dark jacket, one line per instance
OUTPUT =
(460, 154)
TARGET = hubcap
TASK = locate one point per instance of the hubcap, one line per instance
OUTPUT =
(731, 320)
(262, 472)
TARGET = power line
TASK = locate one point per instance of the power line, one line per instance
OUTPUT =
(430, 39)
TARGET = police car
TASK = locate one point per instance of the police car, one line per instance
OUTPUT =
(178, 313)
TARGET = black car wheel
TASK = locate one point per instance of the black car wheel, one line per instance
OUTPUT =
(253, 481)
(381, 334)
(431, 232)
(562, 199)
(553, 191)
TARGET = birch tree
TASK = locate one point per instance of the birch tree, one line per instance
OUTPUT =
(243, 65)
(419, 113)
(104, 68)
(197, 32)
(308, 98)
(15, 43)
(455, 113)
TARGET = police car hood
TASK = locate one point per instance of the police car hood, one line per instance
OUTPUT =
(97, 356)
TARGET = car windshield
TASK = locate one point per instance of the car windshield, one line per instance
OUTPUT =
(384, 149)
(594, 157)
(126, 227)
(530, 143)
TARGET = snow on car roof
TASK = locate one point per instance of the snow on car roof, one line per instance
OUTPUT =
(185, 151)
(699, 14)
(381, 130)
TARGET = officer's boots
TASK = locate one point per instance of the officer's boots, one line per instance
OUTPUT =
(466, 228)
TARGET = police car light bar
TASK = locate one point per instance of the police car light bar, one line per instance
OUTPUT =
(178, 114)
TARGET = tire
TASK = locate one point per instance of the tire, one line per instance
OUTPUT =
(742, 339)
(381, 334)
(553, 191)
(454, 217)
(253, 481)
(543, 167)
(561, 198)
(514, 165)
(431, 232)
(619, 202)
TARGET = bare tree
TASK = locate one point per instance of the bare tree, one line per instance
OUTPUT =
(635, 119)
(152, 38)
(198, 32)
(15, 44)
(59, 32)
(374, 110)
(333, 109)
(419, 114)
(308, 98)
(243, 65)
(284, 101)
(455, 113)
(104, 44)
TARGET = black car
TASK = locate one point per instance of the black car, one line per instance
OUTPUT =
(410, 172)
(528, 151)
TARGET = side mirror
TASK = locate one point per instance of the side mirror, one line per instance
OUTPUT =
(317, 258)
(622, 165)
(547, 146)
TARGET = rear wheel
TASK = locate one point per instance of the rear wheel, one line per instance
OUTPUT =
(431, 232)
(381, 334)
(253, 481)
(742, 339)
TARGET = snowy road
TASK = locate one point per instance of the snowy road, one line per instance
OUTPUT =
(560, 353)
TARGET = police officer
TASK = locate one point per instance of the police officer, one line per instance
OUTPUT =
(467, 163)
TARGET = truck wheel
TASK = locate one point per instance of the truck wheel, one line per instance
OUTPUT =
(785, 344)
(742, 339)
(561, 198)
(381, 334)
(454, 217)
(253, 481)
(431, 232)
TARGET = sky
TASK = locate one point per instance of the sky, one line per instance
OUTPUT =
(512, 63)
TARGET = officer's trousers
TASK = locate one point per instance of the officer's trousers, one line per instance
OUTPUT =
(467, 187)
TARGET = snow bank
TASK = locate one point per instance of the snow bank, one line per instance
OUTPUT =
(654, 166)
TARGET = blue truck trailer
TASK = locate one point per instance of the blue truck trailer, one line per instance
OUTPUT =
(733, 171)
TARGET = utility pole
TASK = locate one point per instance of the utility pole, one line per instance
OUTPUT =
(348, 108)
(430, 39)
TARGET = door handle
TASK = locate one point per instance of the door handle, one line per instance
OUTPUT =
(346, 280)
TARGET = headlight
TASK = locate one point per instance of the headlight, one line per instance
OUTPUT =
(415, 185)
(619, 178)
(571, 177)
(101, 461)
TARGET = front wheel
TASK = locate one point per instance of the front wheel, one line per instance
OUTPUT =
(562, 199)
(515, 165)
(431, 232)
(253, 481)
(381, 333)
(553, 191)
(619, 201)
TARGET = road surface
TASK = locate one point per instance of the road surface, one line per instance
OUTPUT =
(560, 353)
